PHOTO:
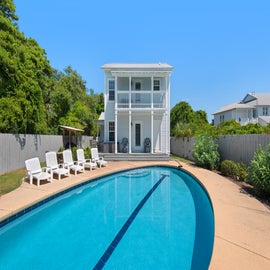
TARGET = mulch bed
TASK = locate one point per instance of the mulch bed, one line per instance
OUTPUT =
(251, 191)
(246, 188)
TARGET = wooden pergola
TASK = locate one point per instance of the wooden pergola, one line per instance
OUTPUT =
(70, 130)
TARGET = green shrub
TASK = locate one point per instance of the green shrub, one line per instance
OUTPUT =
(61, 149)
(205, 152)
(235, 170)
(87, 152)
(74, 153)
(259, 170)
(228, 168)
(242, 172)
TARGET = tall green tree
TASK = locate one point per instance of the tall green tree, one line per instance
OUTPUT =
(186, 122)
(24, 77)
(34, 97)
(181, 112)
(68, 93)
(70, 103)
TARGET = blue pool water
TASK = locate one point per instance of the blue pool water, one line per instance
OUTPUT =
(146, 218)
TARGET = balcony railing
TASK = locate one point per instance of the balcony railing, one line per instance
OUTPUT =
(141, 100)
(244, 121)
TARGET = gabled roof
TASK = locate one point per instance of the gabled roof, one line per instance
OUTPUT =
(249, 97)
(248, 102)
(234, 106)
(101, 117)
(100, 120)
(262, 99)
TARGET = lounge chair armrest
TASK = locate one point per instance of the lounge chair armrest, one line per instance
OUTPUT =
(49, 168)
(46, 169)
(66, 165)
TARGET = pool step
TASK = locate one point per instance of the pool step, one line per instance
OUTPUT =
(135, 157)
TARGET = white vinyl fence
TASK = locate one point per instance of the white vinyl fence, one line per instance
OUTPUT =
(16, 148)
(239, 148)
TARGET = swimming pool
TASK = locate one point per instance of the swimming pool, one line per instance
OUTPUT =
(147, 218)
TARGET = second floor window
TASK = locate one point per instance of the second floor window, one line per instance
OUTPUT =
(111, 89)
(265, 110)
(156, 85)
(221, 118)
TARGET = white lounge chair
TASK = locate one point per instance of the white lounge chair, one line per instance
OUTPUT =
(70, 164)
(34, 171)
(87, 163)
(95, 158)
(55, 168)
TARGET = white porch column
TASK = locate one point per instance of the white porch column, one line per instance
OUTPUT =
(152, 131)
(152, 91)
(115, 116)
(129, 116)
(129, 94)
(115, 93)
(129, 132)
(167, 116)
(167, 132)
(168, 94)
(115, 132)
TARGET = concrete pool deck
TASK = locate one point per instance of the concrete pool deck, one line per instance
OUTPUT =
(242, 223)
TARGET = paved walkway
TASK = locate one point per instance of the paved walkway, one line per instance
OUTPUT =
(242, 223)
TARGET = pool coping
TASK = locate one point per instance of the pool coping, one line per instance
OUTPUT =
(242, 223)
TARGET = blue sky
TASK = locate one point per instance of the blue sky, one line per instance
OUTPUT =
(220, 49)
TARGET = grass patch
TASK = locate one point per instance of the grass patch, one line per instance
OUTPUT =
(179, 158)
(11, 181)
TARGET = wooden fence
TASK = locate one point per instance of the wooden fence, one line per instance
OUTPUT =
(239, 148)
(16, 148)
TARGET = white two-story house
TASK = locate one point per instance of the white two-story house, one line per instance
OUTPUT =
(136, 115)
(253, 108)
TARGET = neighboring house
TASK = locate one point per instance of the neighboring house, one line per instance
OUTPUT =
(136, 108)
(254, 108)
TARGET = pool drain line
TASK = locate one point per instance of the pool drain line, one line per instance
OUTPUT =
(107, 254)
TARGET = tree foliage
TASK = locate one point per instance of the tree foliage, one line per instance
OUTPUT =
(24, 70)
(7, 10)
(34, 97)
(188, 123)
(185, 122)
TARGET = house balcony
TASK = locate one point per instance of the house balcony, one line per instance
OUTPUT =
(141, 100)
(245, 120)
